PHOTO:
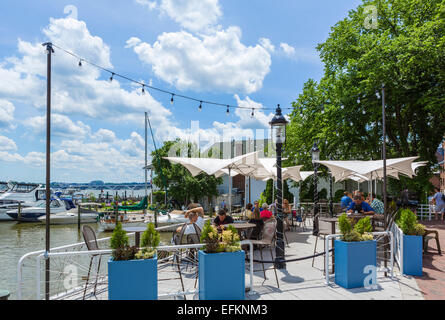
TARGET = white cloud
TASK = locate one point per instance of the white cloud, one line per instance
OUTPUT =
(6, 114)
(193, 15)
(300, 54)
(61, 126)
(267, 44)
(7, 144)
(214, 62)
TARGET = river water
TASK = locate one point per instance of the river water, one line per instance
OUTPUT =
(17, 239)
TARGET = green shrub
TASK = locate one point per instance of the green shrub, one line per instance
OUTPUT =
(150, 238)
(119, 239)
(407, 222)
(344, 224)
(363, 225)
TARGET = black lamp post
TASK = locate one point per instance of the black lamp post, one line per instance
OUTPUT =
(315, 157)
(278, 129)
(331, 202)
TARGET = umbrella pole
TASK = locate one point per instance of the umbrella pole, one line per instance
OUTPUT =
(230, 192)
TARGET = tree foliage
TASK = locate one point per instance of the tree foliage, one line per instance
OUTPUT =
(180, 184)
(344, 109)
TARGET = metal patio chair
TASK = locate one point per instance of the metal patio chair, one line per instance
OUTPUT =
(89, 236)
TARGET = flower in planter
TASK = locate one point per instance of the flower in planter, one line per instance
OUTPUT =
(225, 241)
(361, 231)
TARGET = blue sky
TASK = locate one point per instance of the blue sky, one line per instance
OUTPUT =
(250, 53)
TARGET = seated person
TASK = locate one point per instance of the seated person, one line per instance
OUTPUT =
(194, 218)
(360, 206)
(222, 218)
(248, 213)
(345, 201)
(199, 210)
(266, 214)
(256, 211)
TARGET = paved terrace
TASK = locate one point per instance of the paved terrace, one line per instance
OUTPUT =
(432, 283)
(300, 281)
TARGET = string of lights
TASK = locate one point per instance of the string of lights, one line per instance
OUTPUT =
(173, 95)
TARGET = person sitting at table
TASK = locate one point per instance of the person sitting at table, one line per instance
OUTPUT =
(345, 201)
(256, 211)
(376, 204)
(266, 214)
(360, 206)
(222, 218)
(287, 213)
(248, 213)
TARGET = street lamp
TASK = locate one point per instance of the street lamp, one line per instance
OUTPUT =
(315, 157)
(278, 129)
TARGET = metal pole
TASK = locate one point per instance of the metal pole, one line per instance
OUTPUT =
(315, 230)
(385, 204)
(331, 203)
(230, 191)
(49, 50)
(279, 249)
(146, 161)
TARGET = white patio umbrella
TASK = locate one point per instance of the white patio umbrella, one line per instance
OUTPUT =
(244, 165)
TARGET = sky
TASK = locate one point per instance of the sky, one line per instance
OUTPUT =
(254, 54)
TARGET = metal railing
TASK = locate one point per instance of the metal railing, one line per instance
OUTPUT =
(398, 245)
(334, 236)
(73, 253)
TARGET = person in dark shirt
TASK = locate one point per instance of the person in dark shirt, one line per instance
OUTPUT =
(222, 218)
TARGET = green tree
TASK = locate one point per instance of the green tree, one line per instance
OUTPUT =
(180, 184)
(407, 54)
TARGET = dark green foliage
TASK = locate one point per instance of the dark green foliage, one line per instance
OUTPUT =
(407, 54)
(119, 239)
(150, 238)
(338, 195)
(323, 194)
(344, 224)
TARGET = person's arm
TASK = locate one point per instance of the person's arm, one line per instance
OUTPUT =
(199, 211)
(350, 209)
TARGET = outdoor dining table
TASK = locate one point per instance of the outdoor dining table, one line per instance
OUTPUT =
(243, 227)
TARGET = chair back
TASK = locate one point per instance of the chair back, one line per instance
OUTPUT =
(179, 237)
(269, 230)
(89, 236)
(194, 238)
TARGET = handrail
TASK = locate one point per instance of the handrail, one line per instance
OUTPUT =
(44, 255)
(333, 236)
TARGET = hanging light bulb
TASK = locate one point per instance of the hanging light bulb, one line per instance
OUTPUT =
(253, 113)
(112, 76)
(228, 110)
(200, 106)
(80, 62)
(172, 99)
(143, 89)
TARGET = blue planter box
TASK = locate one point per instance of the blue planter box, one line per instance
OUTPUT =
(221, 276)
(351, 259)
(133, 280)
(412, 255)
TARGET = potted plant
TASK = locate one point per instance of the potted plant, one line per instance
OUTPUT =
(221, 265)
(133, 272)
(354, 252)
(412, 242)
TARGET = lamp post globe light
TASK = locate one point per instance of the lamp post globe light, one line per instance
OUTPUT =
(278, 130)
(315, 157)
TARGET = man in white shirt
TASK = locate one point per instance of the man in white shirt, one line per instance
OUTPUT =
(194, 219)
(438, 200)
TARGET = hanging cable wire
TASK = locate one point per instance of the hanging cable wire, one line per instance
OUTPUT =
(115, 74)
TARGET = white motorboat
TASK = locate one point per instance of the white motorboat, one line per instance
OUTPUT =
(31, 214)
(27, 194)
(70, 217)
(172, 218)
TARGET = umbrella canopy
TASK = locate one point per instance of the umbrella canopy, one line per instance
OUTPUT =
(369, 170)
